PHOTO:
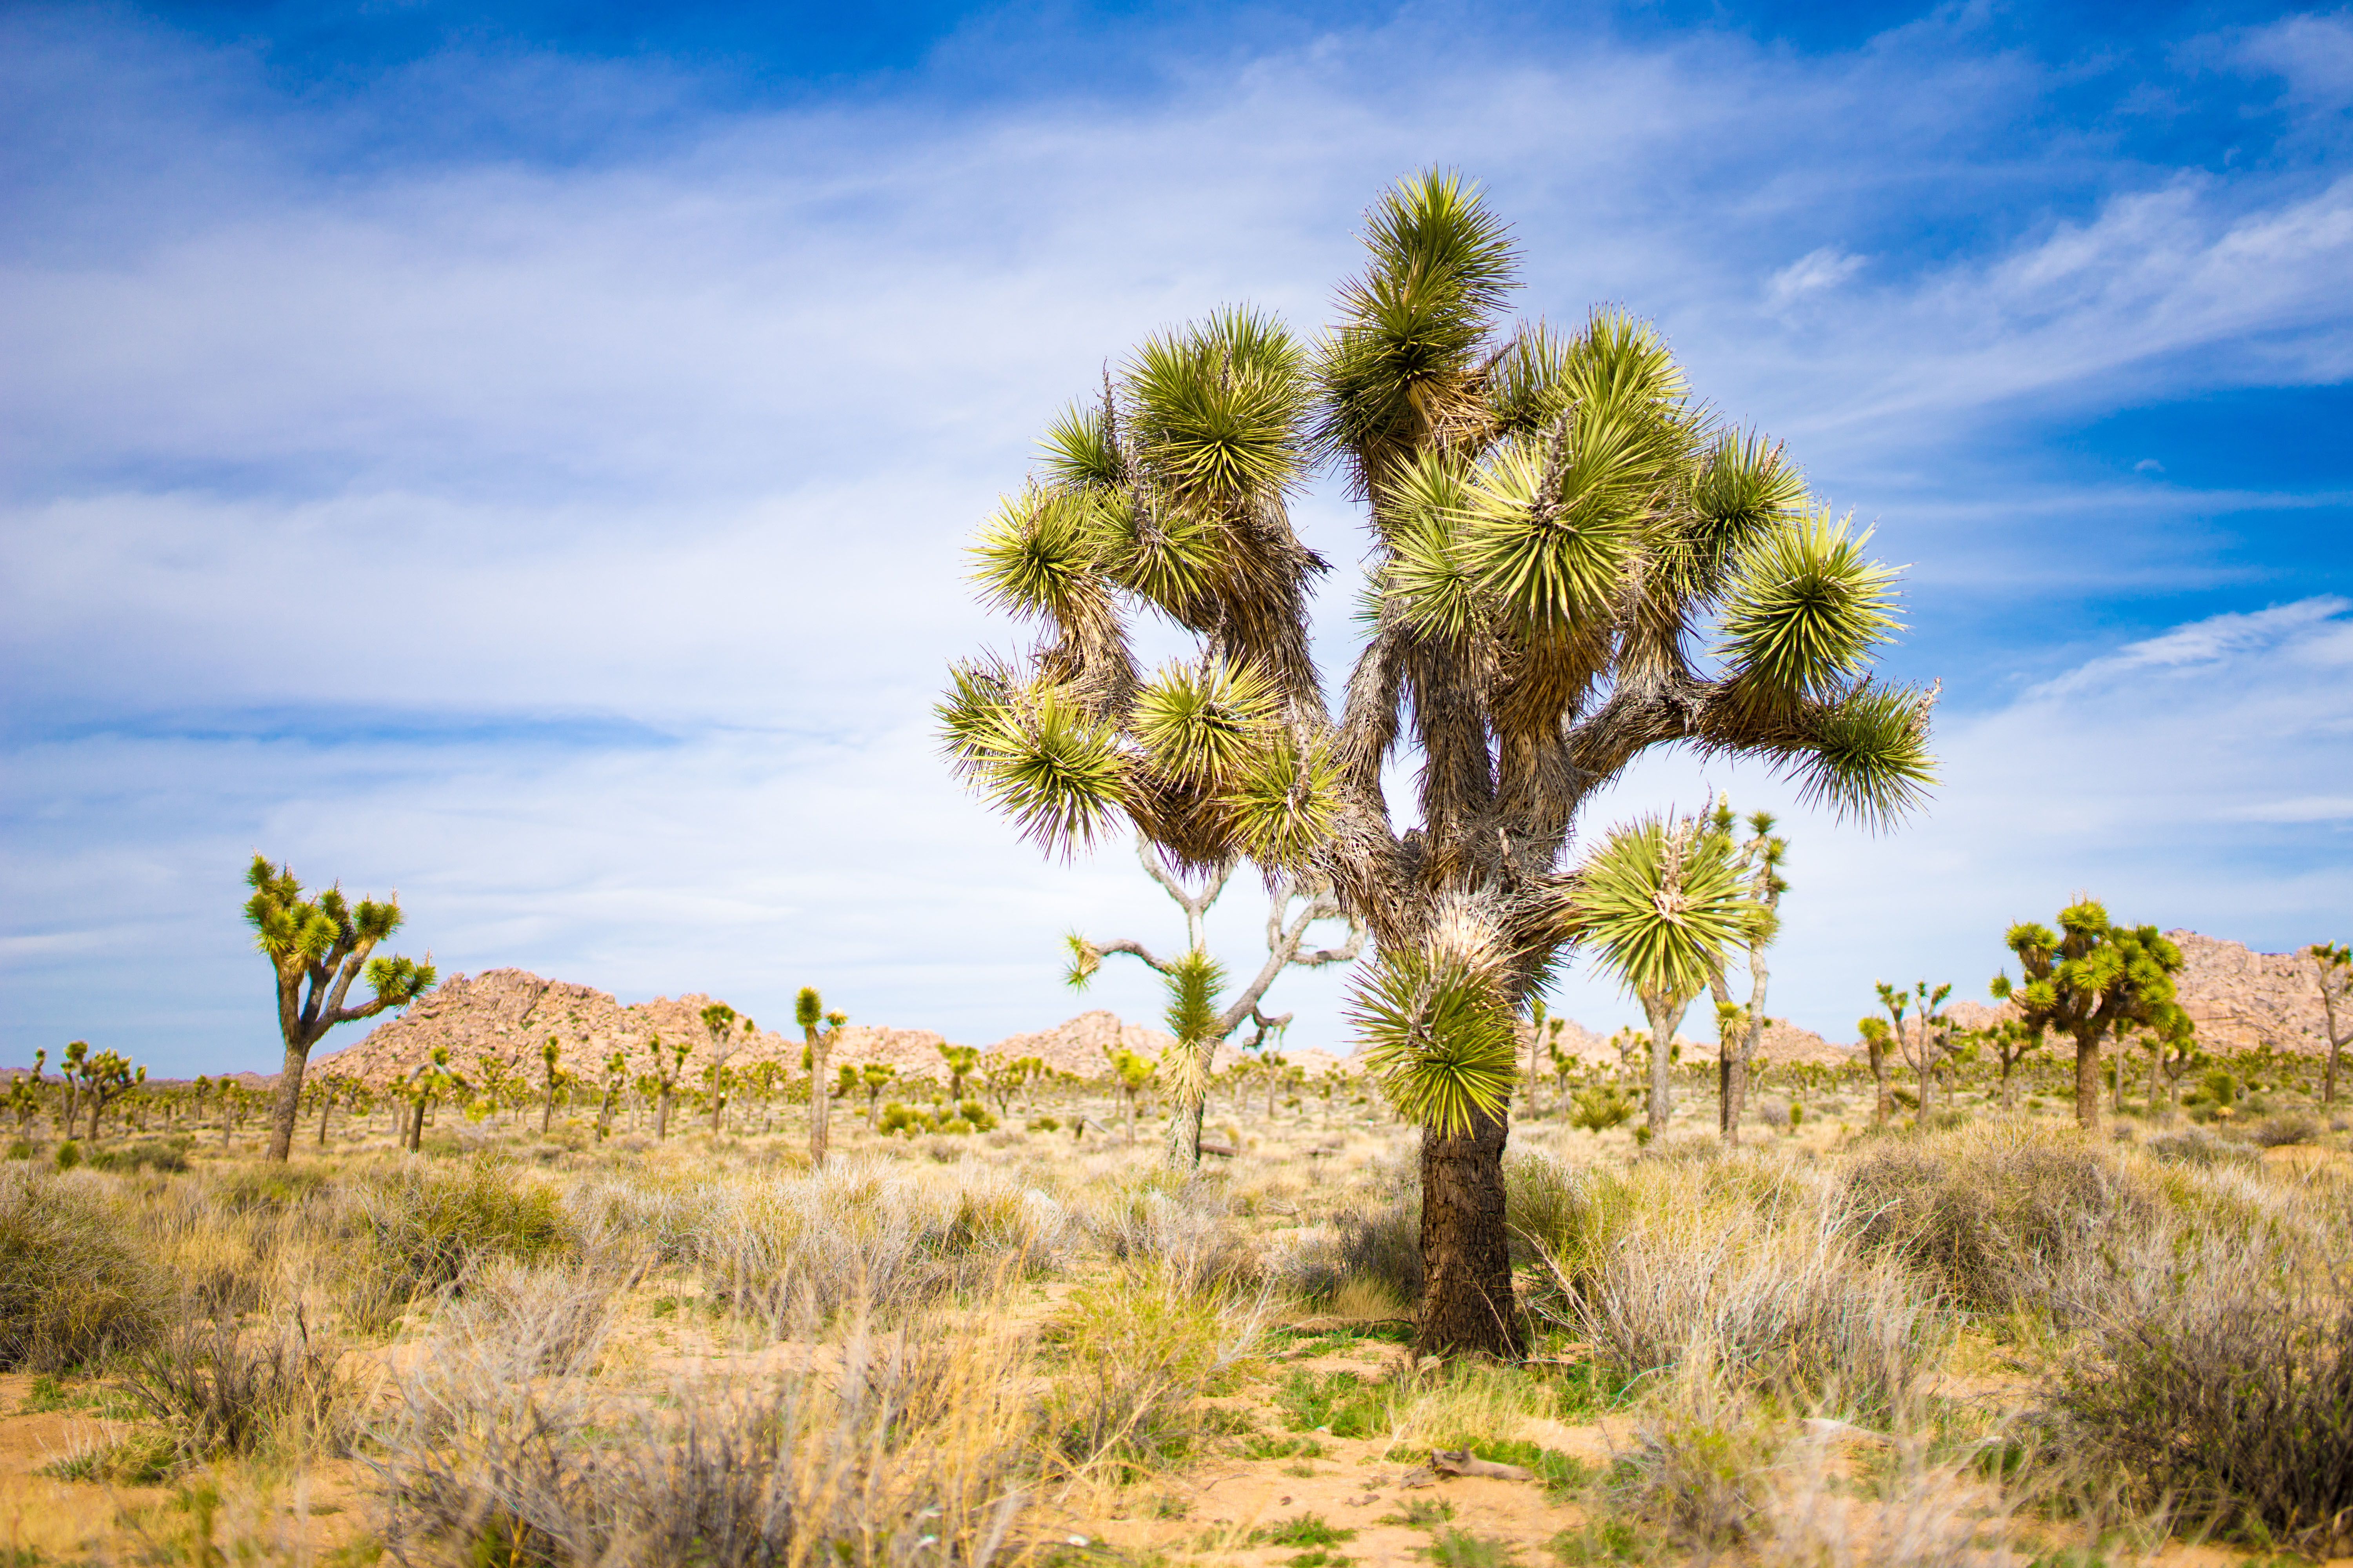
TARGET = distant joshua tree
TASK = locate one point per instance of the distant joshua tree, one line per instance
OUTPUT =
(809, 1012)
(2085, 980)
(1740, 1026)
(319, 946)
(2332, 967)
(1572, 562)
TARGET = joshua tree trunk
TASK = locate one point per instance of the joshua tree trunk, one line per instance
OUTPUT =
(661, 1113)
(326, 1105)
(1666, 1014)
(820, 1102)
(1467, 1266)
(2087, 1080)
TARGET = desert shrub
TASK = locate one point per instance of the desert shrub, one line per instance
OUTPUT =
(425, 1227)
(223, 1391)
(1703, 1481)
(70, 1291)
(550, 1320)
(488, 1464)
(1140, 1351)
(1189, 1232)
(2286, 1127)
(1539, 1195)
(1747, 1272)
(1922, 1513)
(2226, 1385)
(68, 1156)
(146, 1154)
(2197, 1148)
(1998, 1218)
(1380, 1242)
(803, 1249)
(1778, 1115)
(1599, 1107)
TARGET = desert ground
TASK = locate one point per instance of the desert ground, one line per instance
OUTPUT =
(1993, 1339)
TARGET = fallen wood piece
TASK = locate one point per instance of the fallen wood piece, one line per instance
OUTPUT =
(1461, 1462)
(1222, 1151)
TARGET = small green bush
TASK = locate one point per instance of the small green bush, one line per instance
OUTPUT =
(1600, 1107)
(147, 1155)
(70, 1291)
(68, 1156)
(2227, 1390)
(425, 1227)
(1306, 1530)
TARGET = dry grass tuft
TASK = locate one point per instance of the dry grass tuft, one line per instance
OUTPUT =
(72, 1291)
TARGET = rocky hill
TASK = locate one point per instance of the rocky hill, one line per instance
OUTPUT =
(505, 1016)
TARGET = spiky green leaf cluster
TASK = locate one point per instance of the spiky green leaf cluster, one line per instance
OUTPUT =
(1193, 981)
(1807, 608)
(1663, 904)
(1199, 723)
(1437, 1036)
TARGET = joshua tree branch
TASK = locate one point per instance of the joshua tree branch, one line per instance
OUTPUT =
(1134, 950)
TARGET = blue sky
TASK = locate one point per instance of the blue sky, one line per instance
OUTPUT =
(521, 456)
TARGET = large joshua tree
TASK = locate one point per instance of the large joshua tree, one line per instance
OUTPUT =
(318, 947)
(1570, 563)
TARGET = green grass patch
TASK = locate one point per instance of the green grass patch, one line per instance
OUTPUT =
(1266, 1445)
(1307, 1530)
(1603, 1541)
(1454, 1548)
(141, 1459)
(1340, 1403)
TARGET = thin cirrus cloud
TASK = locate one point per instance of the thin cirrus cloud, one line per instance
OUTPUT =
(572, 542)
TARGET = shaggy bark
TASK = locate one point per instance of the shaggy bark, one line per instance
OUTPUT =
(1466, 1302)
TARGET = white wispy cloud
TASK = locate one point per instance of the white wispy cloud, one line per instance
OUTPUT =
(688, 439)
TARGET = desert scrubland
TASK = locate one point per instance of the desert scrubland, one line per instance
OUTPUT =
(1995, 1339)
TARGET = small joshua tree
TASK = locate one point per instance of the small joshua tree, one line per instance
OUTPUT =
(1930, 1037)
(809, 1012)
(664, 1074)
(962, 1061)
(2012, 1041)
(1663, 903)
(727, 1034)
(616, 1079)
(319, 946)
(1740, 1027)
(106, 1077)
(1876, 1044)
(1208, 1025)
(552, 1077)
(2332, 968)
(2085, 980)
(874, 1078)
(1129, 1074)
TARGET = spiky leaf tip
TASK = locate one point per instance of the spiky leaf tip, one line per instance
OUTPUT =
(1806, 608)
(1038, 553)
